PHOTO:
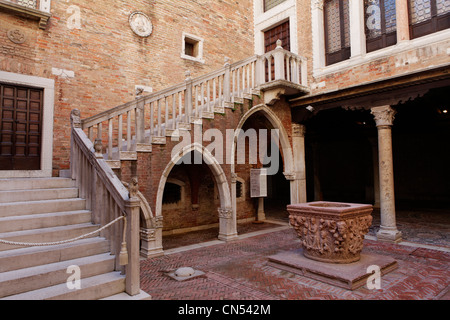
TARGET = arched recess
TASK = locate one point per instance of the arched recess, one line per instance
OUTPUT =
(285, 146)
(227, 219)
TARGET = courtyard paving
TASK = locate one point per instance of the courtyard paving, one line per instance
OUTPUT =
(238, 270)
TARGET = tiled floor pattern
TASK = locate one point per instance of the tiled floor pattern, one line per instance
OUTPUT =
(238, 271)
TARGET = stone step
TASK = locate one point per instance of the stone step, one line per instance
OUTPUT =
(45, 235)
(34, 278)
(37, 194)
(43, 206)
(45, 220)
(35, 256)
(35, 183)
(96, 287)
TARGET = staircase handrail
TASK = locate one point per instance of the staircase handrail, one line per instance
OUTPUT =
(108, 199)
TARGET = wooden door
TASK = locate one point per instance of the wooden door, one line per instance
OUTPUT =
(281, 32)
(20, 127)
(271, 37)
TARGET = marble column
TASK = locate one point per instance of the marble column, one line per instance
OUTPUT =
(384, 118)
(376, 176)
(227, 224)
(298, 148)
(357, 35)
(261, 214)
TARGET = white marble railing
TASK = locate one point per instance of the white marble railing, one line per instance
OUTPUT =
(107, 199)
(151, 118)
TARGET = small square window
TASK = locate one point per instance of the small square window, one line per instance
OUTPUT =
(192, 48)
(189, 48)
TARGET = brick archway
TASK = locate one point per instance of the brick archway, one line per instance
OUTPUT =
(227, 222)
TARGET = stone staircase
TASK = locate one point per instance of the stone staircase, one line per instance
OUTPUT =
(47, 210)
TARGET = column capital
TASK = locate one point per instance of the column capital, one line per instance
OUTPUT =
(290, 176)
(384, 115)
(147, 234)
(298, 130)
(225, 213)
(317, 4)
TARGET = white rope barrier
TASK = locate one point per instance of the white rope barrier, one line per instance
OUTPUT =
(30, 244)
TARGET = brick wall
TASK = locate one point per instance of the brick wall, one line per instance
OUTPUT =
(107, 59)
(401, 62)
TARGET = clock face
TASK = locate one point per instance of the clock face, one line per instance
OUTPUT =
(140, 24)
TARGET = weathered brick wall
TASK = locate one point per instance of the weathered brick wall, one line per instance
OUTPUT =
(107, 59)
(401, 62)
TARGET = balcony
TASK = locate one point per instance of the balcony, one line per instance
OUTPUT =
(38, 10)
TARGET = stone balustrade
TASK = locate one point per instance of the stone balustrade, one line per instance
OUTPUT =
(136, 125)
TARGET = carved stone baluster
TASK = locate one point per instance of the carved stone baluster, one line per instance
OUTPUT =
(180, 106)
(188, 98)
(120, 133)
(214, 96)
(159, 124)
(227, 82)
(152, 120)
(208, 95)
(110, 139)
(174, 111)
(128, 131)
(196, 102)
(91, 133)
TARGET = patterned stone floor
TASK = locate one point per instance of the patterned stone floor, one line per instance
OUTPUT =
(238, 270)
(431, 226)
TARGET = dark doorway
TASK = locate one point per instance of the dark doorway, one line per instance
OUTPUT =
(339, 156)
(20, 127)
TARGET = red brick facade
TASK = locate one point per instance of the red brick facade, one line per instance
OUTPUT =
(107, 59)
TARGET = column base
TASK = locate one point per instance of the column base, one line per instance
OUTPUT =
(228, 237)
(389, 235)
(261, 214)
(151, 253)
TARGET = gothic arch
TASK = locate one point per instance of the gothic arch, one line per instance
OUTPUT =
(285, 144)
(213, 164)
